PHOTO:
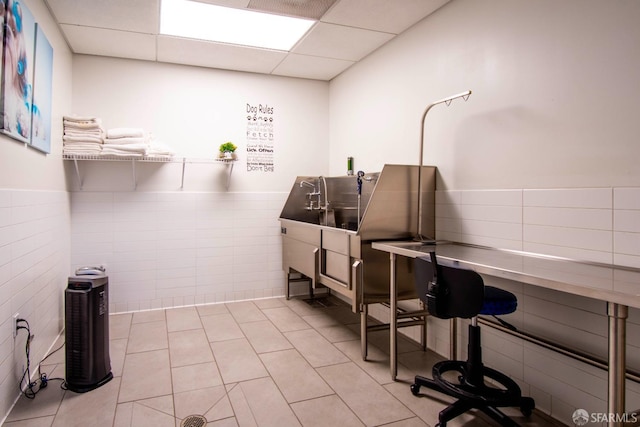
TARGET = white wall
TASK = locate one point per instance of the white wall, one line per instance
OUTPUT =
(194, 110)
(542, 157)
(34, 230)
(166, 246)
(555, 95)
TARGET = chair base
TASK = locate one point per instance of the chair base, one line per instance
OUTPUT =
(470, 396)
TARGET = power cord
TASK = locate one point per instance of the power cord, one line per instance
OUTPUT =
(30, 390)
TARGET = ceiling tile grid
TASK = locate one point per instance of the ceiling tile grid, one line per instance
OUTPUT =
(346, 32)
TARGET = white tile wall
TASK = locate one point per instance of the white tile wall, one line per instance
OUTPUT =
(34, 260)
(593, 224)
(180, 248)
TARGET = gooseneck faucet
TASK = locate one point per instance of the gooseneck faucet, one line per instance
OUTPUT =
(317, 192)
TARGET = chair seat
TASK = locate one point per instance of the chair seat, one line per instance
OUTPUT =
(498, 301)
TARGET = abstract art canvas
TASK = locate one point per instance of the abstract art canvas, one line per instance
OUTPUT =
(16, 96)
(42, 87)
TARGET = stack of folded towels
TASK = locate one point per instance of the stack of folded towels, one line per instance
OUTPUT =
(134, 142)
(82, 135)
(126, 142)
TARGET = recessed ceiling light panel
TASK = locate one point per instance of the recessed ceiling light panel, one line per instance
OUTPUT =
(197, 20)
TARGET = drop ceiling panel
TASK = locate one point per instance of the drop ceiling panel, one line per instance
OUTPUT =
(311, 67)
(347, 32)
(129, 15)
(217, 55)
(121, 44)
(381, 15)
(340, 42)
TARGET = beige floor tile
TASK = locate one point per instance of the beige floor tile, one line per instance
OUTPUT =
(227, 422)
(315, 348)
(146, 413)
(189, 347)
(119, 325)
(32, 422)
(221, 327)
(143, 416)
(212, 403)
(325, 411)
(430, 404)
(147, 336)
(117, 353)
(338, 333)
(240, 406)
(265, 337)
(237, 361)
(46, 403)
(411, 422)
(301, 306)
(343, 314)
(377, 363)
(96, 407)
(145, 375)
(269, 303)
(148, 316)
(194, 377)
(183, 319)
(419, 362)
(371, 402)
(124, 415)
(245, 311)
(267, 404)
(211, 309)
(285, 319)
(380, 339)
(320, 320)
(295, 378)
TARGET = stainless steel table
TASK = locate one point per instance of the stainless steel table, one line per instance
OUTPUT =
(618, 286)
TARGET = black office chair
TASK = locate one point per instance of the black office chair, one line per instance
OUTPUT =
(450, 292)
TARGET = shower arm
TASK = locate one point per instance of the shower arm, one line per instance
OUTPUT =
(419, 237)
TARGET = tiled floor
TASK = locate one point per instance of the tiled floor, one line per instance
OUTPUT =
(268, 362)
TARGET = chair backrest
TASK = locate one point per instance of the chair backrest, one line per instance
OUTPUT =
(448, 291)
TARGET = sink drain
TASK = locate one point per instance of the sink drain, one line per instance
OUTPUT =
(194, 421)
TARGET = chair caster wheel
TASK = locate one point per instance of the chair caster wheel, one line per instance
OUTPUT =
(527, 407)
(415, 389)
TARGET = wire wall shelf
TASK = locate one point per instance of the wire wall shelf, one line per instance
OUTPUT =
(133, 159)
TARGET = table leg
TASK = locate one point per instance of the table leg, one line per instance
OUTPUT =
(617, 360)
(393, 320)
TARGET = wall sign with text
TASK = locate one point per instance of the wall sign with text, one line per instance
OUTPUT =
(260, 138)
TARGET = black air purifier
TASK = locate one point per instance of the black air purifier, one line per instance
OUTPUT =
(88, 365)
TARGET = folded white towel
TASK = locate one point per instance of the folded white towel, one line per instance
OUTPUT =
(158, 148)
(80, 119)
(85, 138)
(85, 151)
(94, 133)
(116, 153)
(81, 126)
(125, 133)
(126, 141)
(129, 148)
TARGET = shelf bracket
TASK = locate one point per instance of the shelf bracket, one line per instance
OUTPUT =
(230, 166)
(182, 181)
(75, 162)
(133, 168)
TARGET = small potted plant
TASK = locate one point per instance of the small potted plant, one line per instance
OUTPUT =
(228, 151)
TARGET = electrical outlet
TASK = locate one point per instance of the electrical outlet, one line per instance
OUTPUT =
(15, 324)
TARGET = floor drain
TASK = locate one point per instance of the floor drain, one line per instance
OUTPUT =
(194, 421)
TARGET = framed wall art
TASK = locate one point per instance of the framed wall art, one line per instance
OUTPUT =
(42, 88)
(16, 94)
